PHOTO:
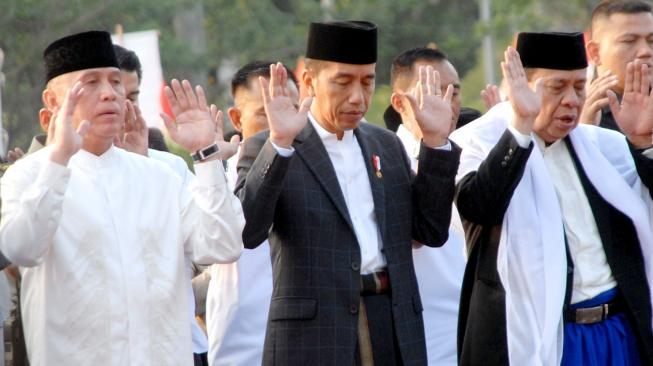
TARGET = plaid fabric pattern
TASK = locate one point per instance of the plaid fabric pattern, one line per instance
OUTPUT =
(297, 204)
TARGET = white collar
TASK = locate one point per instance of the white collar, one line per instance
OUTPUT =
(326, 136)
(558, 145)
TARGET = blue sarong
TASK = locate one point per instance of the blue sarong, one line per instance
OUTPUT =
(611, 342)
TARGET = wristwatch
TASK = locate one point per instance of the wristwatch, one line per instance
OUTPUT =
(205, 153)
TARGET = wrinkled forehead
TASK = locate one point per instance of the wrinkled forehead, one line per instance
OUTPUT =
(571, 76)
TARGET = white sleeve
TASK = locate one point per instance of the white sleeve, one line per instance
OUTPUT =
(31, 212)
(212, 217)
(522, 139)
(286, 153)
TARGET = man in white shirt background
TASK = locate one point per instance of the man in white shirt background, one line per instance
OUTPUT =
(95, 241)
(439, 270)
(239, 293)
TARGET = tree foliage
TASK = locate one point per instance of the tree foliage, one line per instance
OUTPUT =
(237, 31)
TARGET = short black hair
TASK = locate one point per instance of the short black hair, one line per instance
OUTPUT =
(155, 140)
(606, 8)
(255, 69)
(128, 61)
(402, 65)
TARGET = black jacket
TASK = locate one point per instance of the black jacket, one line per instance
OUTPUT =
(298, 204)
(482, 199)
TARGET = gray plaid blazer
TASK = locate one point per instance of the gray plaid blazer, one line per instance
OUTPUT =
(297, 204)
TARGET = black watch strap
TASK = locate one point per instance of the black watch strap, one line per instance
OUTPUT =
(205, 153)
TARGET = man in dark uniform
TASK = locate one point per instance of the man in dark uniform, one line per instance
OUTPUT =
(337, 200)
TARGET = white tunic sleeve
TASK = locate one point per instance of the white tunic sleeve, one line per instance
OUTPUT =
(212, 217)
(31, 210)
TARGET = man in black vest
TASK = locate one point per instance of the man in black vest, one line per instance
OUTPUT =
(557, 218)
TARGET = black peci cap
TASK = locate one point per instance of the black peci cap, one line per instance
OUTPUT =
(558, 51)
(348, 42)
(80, 51)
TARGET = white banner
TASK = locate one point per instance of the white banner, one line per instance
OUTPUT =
(146, 46)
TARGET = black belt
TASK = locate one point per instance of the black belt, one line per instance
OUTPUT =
(375, 283)
(594, 314)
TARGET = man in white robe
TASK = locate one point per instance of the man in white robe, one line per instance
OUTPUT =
(100, 234)
(557, 218)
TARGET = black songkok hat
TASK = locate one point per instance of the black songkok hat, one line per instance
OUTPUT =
(349, 42)
(557, 51)
(80, 51)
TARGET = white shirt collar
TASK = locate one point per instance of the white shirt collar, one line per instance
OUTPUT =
(89, 159)
(558, 145)
(326, 136)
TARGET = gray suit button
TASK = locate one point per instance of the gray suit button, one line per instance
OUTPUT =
(355, 266)
(504, 164)
(353, 309)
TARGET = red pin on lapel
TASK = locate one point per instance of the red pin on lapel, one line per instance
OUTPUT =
(376, 162)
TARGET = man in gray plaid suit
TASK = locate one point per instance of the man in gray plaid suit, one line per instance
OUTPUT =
(341, 208)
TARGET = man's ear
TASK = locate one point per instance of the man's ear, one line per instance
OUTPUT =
(397, 102)
(592, 47)
(307, 80)
(234, 115)
(44, 119)
(49, 99)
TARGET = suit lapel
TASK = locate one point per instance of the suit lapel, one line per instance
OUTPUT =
(370, 147)
(310, 148)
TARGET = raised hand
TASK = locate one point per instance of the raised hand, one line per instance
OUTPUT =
(526, 102)
(285, 120)
(430, 109)
(134, 136)
(193, 128)
(597, 98)
(227, 149)
(65, 139)
(490, 96)
(635, 113)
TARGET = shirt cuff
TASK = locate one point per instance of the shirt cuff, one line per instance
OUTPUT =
(286, 153)
(210, 173)
(648, 153)
(522, 139)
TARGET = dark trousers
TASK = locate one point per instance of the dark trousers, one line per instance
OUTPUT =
(201, 359)
(379, 339)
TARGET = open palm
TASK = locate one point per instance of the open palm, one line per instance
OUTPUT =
(193, 128)
(430, 109)
(635, 113)
(286, 121)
